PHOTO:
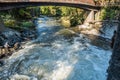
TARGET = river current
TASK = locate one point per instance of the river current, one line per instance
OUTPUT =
(53, 57)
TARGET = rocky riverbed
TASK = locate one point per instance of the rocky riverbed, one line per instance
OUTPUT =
(11, 40)
(58, 54)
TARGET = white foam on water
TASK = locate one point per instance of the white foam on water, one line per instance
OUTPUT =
(61, 60)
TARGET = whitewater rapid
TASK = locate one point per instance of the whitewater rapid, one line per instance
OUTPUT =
(47, 58)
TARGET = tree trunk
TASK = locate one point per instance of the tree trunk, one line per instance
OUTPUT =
(114, 68)
(2, 27)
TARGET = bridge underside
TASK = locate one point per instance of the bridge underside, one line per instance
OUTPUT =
(11, 5)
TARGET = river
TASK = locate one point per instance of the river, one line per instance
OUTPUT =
(53, 57)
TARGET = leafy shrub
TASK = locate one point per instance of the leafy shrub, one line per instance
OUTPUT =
(9, 23)
(27, 24)
(109, 13)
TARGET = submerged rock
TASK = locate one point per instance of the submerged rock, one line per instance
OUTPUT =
(10, 36)
(99, 41)
(92, 31)
(13, 40)
(20, 77)
(1, 63)
(66, 33)
(28, 34)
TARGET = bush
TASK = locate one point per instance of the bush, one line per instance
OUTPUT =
(27, 24)
(76, 15)
(9, 23)
(25, 14)
(65, 21)
(109, 13)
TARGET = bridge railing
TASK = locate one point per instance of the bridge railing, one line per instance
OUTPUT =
(14, 0)
(89, 2)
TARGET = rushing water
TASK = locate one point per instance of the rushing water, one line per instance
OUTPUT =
(52, 57)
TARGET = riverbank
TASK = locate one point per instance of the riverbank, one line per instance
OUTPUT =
(11, 40)
(16, 27)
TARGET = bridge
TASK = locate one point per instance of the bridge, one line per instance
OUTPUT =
(84, 4)
(114, 68)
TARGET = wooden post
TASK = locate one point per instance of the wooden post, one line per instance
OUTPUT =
(114, 68)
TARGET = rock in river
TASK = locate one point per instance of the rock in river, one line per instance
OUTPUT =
(66, 33)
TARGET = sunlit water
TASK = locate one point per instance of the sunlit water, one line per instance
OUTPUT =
(55, 58)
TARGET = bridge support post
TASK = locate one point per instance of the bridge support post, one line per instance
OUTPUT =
(90, 18)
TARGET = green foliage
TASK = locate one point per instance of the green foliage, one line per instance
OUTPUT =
(74, 21)
(65, 11)
(45, 10)
(19, 19)
(58, 11)
(27, 24)
(8, 19)
(21, 12)
(9, 23)
(24, 13)
(103, 14)
(69, 16)
(76, 15)
(109, 13)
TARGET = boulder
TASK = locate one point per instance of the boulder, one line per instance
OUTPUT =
(28, 34)
(10, 36)
(66, 33)
(65, 21)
